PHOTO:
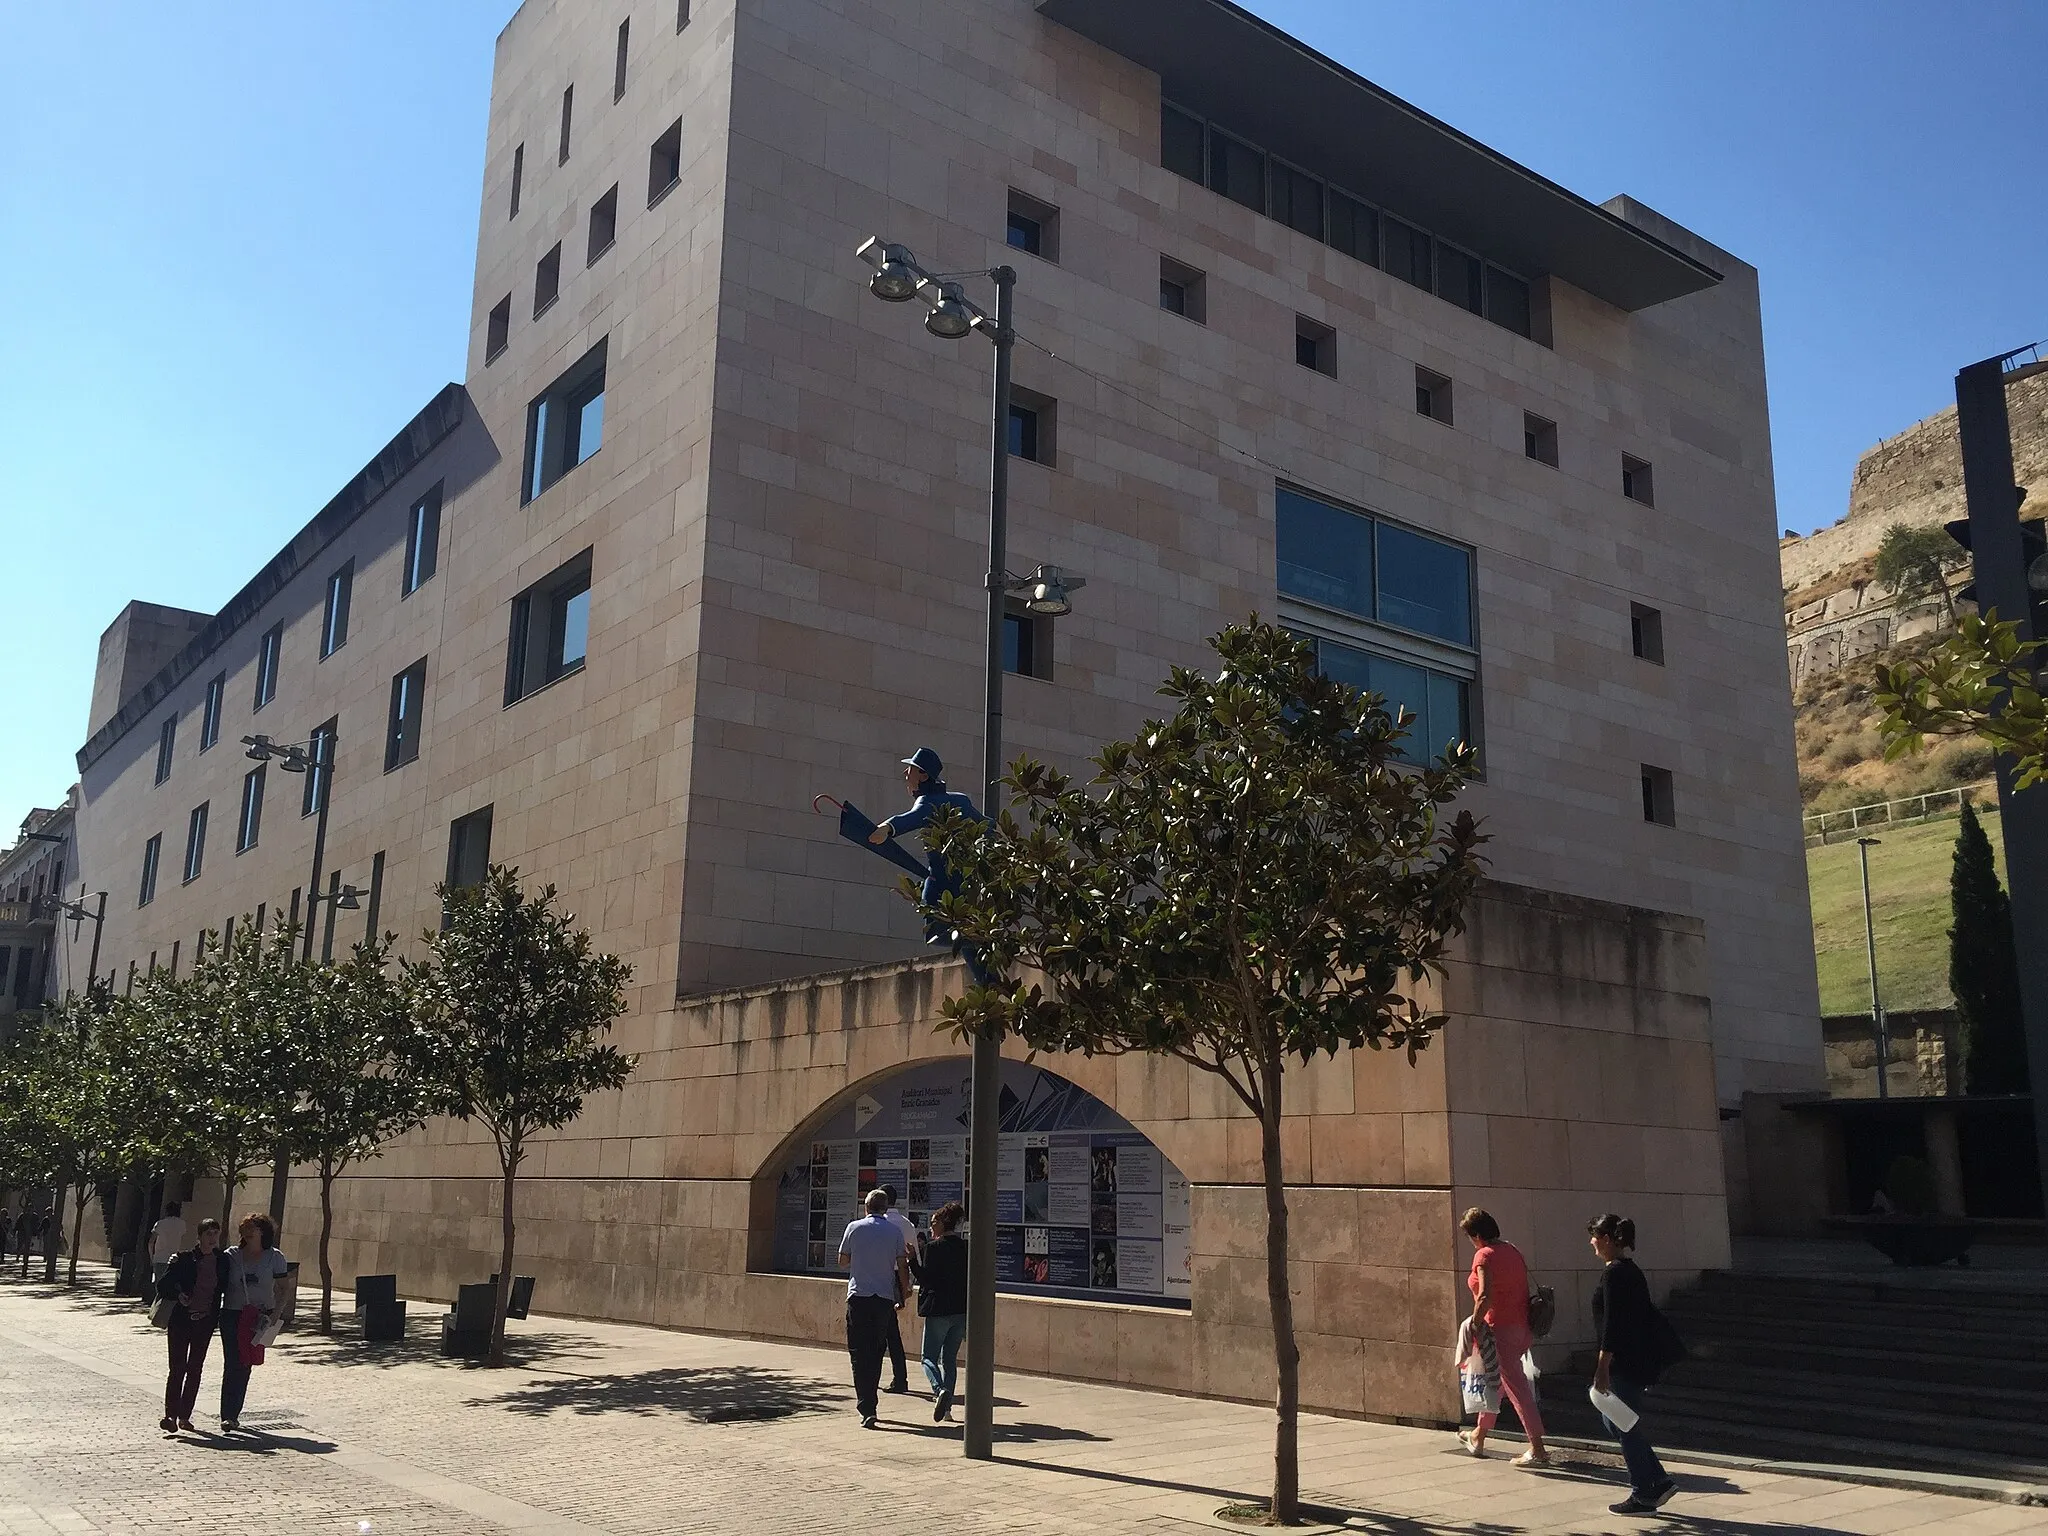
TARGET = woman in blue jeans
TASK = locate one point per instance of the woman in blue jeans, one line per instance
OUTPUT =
(1636, 1343)
(941, 1270)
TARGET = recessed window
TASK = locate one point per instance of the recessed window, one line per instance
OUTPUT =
(1657, 798)
(334, 618)
(565, 423)
(498, 329)
(1459, 278)
(1298, 200)
(166, 745)
(618, 69)
(1439, 701)
(1034, 227)
(682, 14)
(568, 103)
(1032, 420)
(1407, 254)
(422, 542)
(1635, 481)
(604, 225)
(268, 651)
(1183, 291)
(320, 755)
(209, 712)
(518, 176)
(547, 280)
(249, 824)
(1315, 345)
(1539, 439)
(469, 848)
(1646, 632)
(195, 843)
(1027, 643)
(665, 163)
(1380, 571)
(1354, 228)
(1432, 396)
(550, 629)
(152, 855)
(408, 707)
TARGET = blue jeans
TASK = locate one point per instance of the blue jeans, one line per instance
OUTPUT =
(1646, 1474)
(942, 1336)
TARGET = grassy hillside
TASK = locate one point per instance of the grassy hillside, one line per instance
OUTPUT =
(1909, 875)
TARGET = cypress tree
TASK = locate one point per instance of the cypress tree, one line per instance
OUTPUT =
(1982, 972)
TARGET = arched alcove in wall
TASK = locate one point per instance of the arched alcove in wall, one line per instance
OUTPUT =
(1086, 1205)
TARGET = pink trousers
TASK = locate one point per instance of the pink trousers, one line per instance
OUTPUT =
(1512, 1343)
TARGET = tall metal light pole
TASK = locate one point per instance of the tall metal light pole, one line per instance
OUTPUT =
(897, 278)
(1884, 1045)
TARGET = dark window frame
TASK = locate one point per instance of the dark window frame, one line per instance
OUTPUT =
(320, 743)
(1315, 346)
(1040, 218)
(210, 711)
(1190, 285)
(152, 861)
(1638, 480)
(547, 280)
(249, 817)
(604, 226)
(1034, 427)
(166, 747)
(422, 541)
(568, 119)
(518, 177)
(1434, 396)
(1660, 796)
(1027, 642)
(195, 842)
(498, 330)
(536, 645)
(334, 609)
(1372, 578)
(665, 163)
(403, 726)
(619, 61)
(554, 423)
(1646, 633)
(1539, 439)
(269, 661)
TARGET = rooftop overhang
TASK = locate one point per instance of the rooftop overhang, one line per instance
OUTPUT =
(1219, 60)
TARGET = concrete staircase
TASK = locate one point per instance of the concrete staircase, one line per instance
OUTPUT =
(1935, 1371)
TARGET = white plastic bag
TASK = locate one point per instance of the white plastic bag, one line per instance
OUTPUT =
(1472, 1387)
(1613, 1409)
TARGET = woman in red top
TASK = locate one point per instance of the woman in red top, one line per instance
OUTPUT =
(1500, 1301)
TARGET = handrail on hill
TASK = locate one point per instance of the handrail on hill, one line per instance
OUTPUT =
(1828, 825)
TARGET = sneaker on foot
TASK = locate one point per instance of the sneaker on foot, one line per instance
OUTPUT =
(1633, 1506)
(230, 1425)
(897, 1387)
(867, 1421)
(167, 1424)
(1664, 1493)
(186, 1424)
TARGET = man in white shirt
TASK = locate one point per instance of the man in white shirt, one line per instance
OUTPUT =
(878, 1277)
(908, 1229)
(166, 1238)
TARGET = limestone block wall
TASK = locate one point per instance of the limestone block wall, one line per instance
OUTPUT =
(1576, 1074)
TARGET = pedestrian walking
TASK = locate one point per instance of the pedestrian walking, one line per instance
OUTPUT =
(254, 1269)
(1500, 1305)
(941, 1270)
(1636, 1345)
(166, 1238)
(899, 1380)
(878, 1276)
(25, 1229)
(194, 1284)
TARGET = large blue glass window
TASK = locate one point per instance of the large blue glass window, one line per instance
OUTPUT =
(1424, 585)
(1325, 553)
(1350, 562)
(1440, 702)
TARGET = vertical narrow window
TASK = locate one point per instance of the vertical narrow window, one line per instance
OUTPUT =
(292, 919)
(320, 765)
(565, 424)
(1658, 799)
(604, 225)
(166, 745)
(1646, 632)
(550, 633)
(260, 907)
(376, 896)
(518, 175)
(1539, 439)
(1032, 420)
(1457, 278)
(327, 927)
(1237, 171)
(498, 329)
(1635, 481)
(152, 855)
(1354, 228)
(1432, 396)
(408, 699)
(195, 842)
(547, 280)
(618, 79)
(568, 97)
(422, 542)
(665, 162)
(1298, 201)
(682, 14)
(1027, 643)
(1408, 254)
(249, 825)
(176, 945)
(334, 620)
(1507, 301)
(469, 848)
(209, 713)
(1180, 142)
(268, 650)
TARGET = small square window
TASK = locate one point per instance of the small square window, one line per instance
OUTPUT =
(1034, 227)
(1183, 291)
(568, 98)
(604, 225)
(1635, 481)
(518, 176)
(1646, 632)
(665, 163)
(209, 713)
(547, 280)
(1432, 396)
(1657, 800)
(1032, 419)
(619, 66)
(268, 651)
(166, 746)
(498, 329)
(1315, 345)
(1027, 643)
(422, 542)
(408, 706)
(550, 629)
(565, 424)
(1539, 439)
(334, 620)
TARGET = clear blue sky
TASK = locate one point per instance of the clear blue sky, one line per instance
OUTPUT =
(238, 244)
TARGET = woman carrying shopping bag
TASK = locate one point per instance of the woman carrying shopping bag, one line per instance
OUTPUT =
(255, 1267)
(1500, 1307)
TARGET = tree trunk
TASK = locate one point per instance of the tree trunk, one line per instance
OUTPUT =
(497, 1354)
(77, 1234)
(326, 1228)
(1286, 1354)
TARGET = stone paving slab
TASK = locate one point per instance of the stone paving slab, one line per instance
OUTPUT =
(603, 1428)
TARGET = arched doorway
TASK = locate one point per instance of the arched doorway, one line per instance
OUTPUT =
(1086, 1206)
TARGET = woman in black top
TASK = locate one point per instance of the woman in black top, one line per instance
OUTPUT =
(1635, 1346)
(941, 1269)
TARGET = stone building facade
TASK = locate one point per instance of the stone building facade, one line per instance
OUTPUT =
(706, 528)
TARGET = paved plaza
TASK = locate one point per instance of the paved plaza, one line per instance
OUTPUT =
(604, 1428)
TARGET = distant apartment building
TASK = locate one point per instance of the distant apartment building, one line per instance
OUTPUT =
(701, 537)
(33, 873)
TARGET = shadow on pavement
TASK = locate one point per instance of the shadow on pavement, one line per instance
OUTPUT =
(532, 1349)
(737, 1394)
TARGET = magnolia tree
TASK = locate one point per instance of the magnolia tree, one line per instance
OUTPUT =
(1261, 878)
(1981, 681)
(510, 1009)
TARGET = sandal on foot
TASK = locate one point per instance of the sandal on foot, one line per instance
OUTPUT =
(1531, 1460)
(1476, 1447)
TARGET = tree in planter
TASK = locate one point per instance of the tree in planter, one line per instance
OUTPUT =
(350, 1095)
(510, 1008)
(1983, 973)
(1260, 878)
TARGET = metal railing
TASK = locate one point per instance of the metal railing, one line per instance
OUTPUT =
(1826, 826)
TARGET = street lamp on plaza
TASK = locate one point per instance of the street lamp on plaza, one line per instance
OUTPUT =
(951, 315)
(315, 757)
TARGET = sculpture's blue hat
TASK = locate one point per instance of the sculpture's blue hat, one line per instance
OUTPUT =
(926, 762)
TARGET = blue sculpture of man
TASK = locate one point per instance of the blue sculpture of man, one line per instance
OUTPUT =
(924, 777)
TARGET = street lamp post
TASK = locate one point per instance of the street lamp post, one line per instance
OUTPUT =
(1877, 1022)
(76, 910)
(951, 315)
